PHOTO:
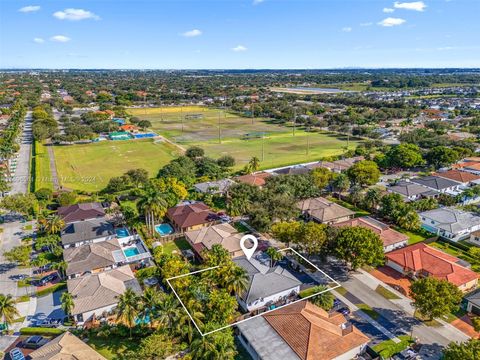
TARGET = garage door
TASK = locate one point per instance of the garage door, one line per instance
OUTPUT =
(476, 310)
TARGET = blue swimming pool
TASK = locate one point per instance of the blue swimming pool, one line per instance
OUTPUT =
(164, 229)
(122, 232)
(145, 135)
(131, 252)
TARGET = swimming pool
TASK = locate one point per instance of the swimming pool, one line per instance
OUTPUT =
(145, 135)
(122, 232)
(131, 251)
(164, 229)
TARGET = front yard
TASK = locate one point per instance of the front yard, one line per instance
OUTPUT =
(176, 246)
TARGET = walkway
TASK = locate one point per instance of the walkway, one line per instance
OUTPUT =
(53, 167)
(20, 179)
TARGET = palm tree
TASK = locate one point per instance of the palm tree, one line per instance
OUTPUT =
(168, 312)
(154, 205)
(67, 303)
(203, 349)
(149, 302)
(235, 278)
(340, 184)
(274, 255)
(372, 198)
(254, 164)
(40, 262)
(128, 308)
(184, 326)
(61, 266)
(53, 224)
(8, 310)
(324, 300)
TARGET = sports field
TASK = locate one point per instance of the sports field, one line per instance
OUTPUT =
(186, 124)
(89, 167)
(280, 149)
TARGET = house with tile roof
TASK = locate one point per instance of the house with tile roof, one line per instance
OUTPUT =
(191, 216)
(95, 294)
(267, 285)
(301, 331)
(420, 260)
(222, 234)
(256, 179)
(391, 238)
(65, 347)
(86, 232)
(463, 177)
(93, 258)
(214, 187)
(81, 212)
(411, 191)
(450, 223)
(324, 211)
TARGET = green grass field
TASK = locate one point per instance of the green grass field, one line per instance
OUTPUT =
(43, 177)
(173, 122)
(89, 167)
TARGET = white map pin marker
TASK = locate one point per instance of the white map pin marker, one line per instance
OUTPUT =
(248, 251)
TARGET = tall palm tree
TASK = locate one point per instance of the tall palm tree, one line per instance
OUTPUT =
(324, 300)
(8, 310)
(203, 349)
(168, 311)
(235, 279)
(54, 224)
(67, 303)
(254, 164)
(128, 309)
(61, 266)
(372, 198)
(149, 302)
(184, 326)
(154, 205)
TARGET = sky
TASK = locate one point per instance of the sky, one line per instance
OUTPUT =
(239, 34)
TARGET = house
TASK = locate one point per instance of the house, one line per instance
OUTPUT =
(439, 184)
(191, 216)
(420, 260)
(473, 303)
(93, 258)
(450, 223)
(222, 234)
(324, 211)
(267, 285)
(337, 166)
(87, 232)
(66, 347)
(214, 187)
(471, 167)
(95, 294)
(129, 127)
(301, 331)
(411, 191)
(80, 212)
(462, 177)
(475, 238)
(391, 238)
(293, 170)
(256, 179)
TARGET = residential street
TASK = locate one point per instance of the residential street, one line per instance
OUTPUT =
(22, 174)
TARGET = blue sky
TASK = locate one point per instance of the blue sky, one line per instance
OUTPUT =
(227, 34)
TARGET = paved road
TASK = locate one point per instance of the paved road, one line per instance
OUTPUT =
(22, 174)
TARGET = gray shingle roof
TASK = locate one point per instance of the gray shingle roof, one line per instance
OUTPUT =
(474, 298)
(86, 230)
(214, 187)
(407, 188)
(435, 182)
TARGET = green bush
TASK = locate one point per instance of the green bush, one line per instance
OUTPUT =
(41, 331)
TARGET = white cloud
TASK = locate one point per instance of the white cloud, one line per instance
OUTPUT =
(75, 15)
(39, 40)
(29, 8)
(366, 24)
(389, 22)
(388, 10)
(192, 33)
(347, 29)
(256, 2)
(60, 38)
(415, 5)
(239, 48)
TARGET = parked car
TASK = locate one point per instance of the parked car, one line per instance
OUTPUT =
(344, 311)
(34, 342)
(49, 323)
(46, 279)
(16, 354)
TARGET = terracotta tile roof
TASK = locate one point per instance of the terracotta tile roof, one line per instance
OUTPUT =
(223, 234)
(472, 166)
(79, 212)
(464, 164)
(457, 175)
(257, 179)
(189, 215)
(388, 235)
(421, 257)
(66, 347)
(312, 333)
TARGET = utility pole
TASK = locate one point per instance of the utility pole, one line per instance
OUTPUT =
(294, 120)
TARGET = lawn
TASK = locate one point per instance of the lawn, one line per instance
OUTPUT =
(176, 245)
(369, 311)
(113, 347)
(414, 236)
(387, 294)
(388, 348)
(358, 212)
(41, 161)
(89, 167)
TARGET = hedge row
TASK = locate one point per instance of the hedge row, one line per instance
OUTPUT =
(41, 331)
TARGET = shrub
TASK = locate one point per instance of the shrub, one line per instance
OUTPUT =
(41, 331)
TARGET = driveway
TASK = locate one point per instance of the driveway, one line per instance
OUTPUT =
(22, 174)
(48, 306)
